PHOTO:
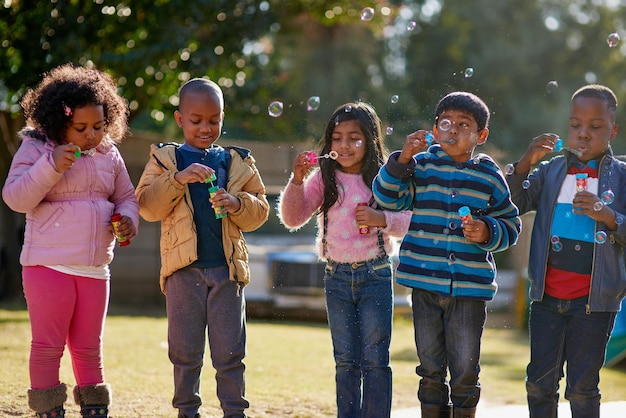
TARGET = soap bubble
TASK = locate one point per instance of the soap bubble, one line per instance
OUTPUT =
(557, 247)
(613, 39)
(313, 103)
(554, 239)
(607, 197)
(394, 99)
(577, 247)
(367, 14)
(348, 109)
(526, 184)
(445, 125)
(619, 219)
(275, 109)
(411, 26)
(358, 143)
(509, 170)
(600, 237)
(389, 130)
(552, 86)
(468, 72)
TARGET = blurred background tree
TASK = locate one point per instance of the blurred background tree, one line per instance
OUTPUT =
(523, 57)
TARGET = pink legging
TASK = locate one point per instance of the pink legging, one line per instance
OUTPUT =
(65, 308)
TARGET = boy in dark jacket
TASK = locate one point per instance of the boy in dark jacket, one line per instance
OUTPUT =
(576, 269)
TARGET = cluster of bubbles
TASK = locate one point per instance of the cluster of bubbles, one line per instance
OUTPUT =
(275, 108)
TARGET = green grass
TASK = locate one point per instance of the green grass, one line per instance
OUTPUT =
(290, 369)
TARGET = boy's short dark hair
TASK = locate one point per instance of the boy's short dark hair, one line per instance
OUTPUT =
(597, 91)
(466, 102)
(200, 85)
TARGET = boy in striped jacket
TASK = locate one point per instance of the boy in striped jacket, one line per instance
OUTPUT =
(446, 260)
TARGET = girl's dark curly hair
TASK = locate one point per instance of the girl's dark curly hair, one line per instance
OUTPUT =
(48, 108)
(375, 150)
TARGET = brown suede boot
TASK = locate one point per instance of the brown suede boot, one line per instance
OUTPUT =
(94, 400)
(48, 403)
(436, 411)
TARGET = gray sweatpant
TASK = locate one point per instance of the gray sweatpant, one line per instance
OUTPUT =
(199, 300)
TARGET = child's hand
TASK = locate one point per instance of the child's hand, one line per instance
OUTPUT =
(224, 202)
(369, 216)
(476, 230)
(413, 144)
(64, 156)
(587, 203)
(537, 149)
(125, 228)
(194, 173)
(301, 166)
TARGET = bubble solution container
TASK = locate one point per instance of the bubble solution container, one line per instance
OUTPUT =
(465, 214)
(363, 229)
(121, 239)
(212, 190)
(581, 182)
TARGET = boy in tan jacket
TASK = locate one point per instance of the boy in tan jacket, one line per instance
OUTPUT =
(205, 196)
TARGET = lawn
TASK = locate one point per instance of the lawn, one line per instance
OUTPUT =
(290, 371)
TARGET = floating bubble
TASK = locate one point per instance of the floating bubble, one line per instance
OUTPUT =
(557, 247)
(275, 109)
(509, 170)
(552, 86)
(613, 39)
(389, 130)
(445, 125)
(313, 103)
(367, 14)
(526, 184)
(358, 143)
(600, 237)
(468, 72)
(577, 247)
(394, 99)
(619, 219)
(554, 239)
(348, 109)
(411, 26)
(452, 225)
(454, 193)
(607, 197)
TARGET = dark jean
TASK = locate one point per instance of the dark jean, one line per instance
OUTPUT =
(203, 301)
(447, 337)
(359, 303)
(562, 331)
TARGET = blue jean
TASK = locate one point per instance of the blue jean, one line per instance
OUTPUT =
(199, 301)
(562, 331)
(448, 332)
(359, 304)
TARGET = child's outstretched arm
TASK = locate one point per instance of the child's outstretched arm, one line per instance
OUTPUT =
(392, 187)
(300, 198)
(537, 149)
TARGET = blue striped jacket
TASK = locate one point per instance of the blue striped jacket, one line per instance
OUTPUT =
(434, 255)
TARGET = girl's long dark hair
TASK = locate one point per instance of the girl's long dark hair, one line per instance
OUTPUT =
(375, 151)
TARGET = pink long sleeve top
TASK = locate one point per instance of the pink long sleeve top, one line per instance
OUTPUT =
(298, 203)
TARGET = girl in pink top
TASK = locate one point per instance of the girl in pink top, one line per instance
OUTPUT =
(354, 238)
(69, 178)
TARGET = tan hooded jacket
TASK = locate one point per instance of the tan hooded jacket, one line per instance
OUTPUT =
(162, 198)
